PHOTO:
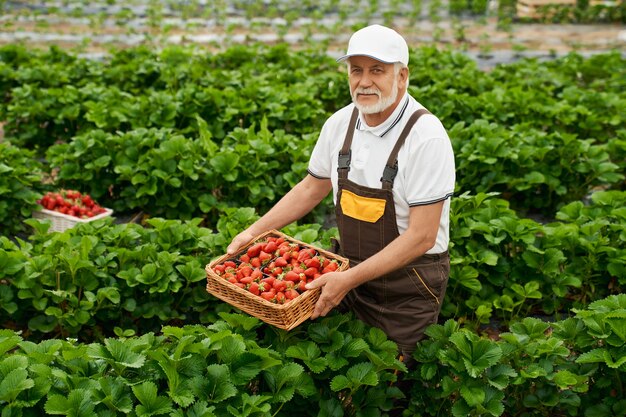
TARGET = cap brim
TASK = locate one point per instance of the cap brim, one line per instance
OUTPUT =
(343, 58)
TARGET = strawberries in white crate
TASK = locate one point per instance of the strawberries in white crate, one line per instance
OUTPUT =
(72, 203)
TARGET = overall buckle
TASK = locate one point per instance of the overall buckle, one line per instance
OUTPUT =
(343, 161)
(389, 173)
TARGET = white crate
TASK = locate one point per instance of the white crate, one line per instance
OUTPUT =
(61, 222)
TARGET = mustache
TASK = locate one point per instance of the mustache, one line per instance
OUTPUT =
(368, 91)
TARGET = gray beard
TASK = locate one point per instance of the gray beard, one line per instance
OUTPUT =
(383, 102)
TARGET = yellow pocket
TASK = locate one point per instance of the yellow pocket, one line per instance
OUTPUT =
(362, 208)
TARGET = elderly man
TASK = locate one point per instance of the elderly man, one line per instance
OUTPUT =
(390, 165)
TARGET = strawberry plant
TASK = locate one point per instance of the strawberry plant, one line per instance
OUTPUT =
(178, 177)
(534, 170)
(20, 186)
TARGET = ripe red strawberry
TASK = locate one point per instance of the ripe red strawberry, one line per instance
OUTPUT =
(291, 294)
(269, 294)
(310, 272)
(270, 247)
(254, 288)
(312, 263)
(246, 280)
(279, 285)
(264, 256)
(281, 262)
(280, 297)
(292, 276)
(254, 250)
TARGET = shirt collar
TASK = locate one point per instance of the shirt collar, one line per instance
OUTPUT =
(384, 128)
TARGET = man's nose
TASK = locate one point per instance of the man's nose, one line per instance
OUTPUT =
(365, 81)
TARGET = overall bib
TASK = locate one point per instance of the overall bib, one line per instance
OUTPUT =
(405, 301)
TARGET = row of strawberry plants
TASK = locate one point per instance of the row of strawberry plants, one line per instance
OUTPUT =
(506, 267)
(563, 134)
(55, 96)
(99, 278)
(168, 174)
(232, 367)
(143, 88)
(572, 94)
(570, 367)
(334, 366)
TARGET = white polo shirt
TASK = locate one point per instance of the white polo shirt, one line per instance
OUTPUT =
(426, 169)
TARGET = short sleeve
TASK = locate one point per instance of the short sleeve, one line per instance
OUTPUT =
(430, 174)
(320, 161)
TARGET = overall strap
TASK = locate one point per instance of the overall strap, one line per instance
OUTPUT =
(391, 168)
(345, 153)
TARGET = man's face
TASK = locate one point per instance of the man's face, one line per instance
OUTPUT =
(374, 85)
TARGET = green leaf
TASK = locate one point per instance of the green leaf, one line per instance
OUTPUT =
(77, 404)
(151, 403)
(499, 375)
(478, 354)
(14, 383)
(357, 376)
(617, 322)
(251, 405)
(219, 384)
(198, 409)
(473, 394)
(191, 271)
(232, 348)
(339, 382)
(309, 353)
(566, 379)
(225, 163)
(281, 381)
(8, 340)
(467, 277)
(533, 371)
(245, 368)
(117, 352)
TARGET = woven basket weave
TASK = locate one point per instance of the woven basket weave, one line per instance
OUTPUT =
(285, 316)
(61, 222)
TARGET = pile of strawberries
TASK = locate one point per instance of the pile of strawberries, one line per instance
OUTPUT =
(71, 202)
(275, 269)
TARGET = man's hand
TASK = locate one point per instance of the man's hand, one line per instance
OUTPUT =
(238, 241)
(335, 286)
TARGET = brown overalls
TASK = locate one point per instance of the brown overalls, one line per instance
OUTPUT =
(401, 303)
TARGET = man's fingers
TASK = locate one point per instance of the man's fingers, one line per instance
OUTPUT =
(238, 241)
(319, 282)
(232, 248)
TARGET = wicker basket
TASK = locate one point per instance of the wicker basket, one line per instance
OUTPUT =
(285, 316)
(62, 222)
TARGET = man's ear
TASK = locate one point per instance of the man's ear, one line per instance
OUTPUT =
(403, 78)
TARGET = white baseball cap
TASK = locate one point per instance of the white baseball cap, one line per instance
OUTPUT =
(378, 42)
